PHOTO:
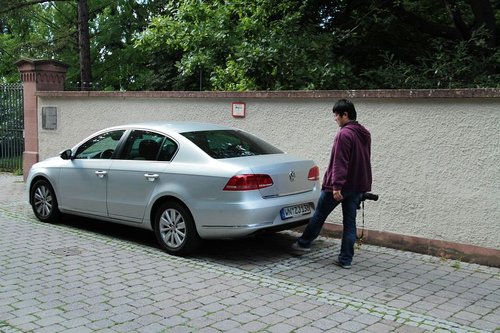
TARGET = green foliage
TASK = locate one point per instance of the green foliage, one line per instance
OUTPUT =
(245, 45)
(9, 73)
(457, 264)
(41, 31)
(448, 66)
(49, 31)
(16, 36)
(117, 63)
(262, 44)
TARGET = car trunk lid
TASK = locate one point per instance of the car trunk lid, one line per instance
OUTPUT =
(289, 173)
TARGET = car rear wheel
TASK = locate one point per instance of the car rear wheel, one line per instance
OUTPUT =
(175, 229)
(44, 202)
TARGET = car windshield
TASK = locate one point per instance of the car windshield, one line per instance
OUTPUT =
(230, 143)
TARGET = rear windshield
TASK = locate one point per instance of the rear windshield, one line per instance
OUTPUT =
(230, 143)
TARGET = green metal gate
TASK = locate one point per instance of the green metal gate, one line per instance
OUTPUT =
(11, 127)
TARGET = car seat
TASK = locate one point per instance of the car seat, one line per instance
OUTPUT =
(148, 149)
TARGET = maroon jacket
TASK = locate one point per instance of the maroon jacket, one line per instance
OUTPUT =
(350, 168)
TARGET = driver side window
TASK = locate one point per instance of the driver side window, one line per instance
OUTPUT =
(101, 146)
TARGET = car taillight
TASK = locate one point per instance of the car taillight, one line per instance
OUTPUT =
(313, 173)
(248, 182)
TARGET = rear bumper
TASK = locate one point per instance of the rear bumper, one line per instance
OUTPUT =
(282, 227)
(233, 220)
(221, 232)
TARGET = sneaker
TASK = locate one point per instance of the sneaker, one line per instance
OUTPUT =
(338, 263)
(296, 247)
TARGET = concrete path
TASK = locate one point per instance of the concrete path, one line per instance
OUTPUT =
(90, 276)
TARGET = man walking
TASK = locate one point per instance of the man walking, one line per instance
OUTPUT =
(348, 176)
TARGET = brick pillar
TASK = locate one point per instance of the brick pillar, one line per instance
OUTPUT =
(37, 75)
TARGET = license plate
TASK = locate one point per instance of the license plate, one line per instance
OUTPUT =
(294, 211)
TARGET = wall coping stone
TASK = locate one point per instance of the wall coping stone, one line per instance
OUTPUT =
(313, 94)
(41, 65)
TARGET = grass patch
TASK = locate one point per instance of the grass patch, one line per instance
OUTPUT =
(456, 264)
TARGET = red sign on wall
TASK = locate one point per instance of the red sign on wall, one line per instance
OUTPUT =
(238, 109)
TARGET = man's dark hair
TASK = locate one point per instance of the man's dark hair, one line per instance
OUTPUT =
(345, 106)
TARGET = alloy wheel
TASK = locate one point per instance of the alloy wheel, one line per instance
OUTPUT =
(172, 228)
(43, 201)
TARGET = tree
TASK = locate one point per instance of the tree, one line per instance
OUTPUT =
(423, 44)
(319, 44)
(84, 45)
(49, 29)
(242, 45)
(258, 45)
(117, 63)
(10, 6)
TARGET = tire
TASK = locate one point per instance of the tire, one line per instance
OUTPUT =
(44, 202)
(175, 229)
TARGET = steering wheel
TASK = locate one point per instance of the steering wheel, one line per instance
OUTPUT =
(107, 153)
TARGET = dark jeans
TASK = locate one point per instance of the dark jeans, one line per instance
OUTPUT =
(326, 205)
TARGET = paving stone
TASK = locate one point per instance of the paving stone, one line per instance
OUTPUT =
(69, 277)
(468, 316)
(76, 322)
(253, 326)
(352, 326)
(486, 325)
(99, 325)
(78, 330)
(192, 314)
(262, 310)
(225, 325)
(280, 328)
(366, 319)
(288, 313)
(325, 324)
(309, 330)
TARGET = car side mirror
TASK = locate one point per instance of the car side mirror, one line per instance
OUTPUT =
(66, 155)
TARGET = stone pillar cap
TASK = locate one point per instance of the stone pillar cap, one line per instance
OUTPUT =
(41, 65)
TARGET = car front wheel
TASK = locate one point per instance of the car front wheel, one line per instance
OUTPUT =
(175, 229)
(44, 202)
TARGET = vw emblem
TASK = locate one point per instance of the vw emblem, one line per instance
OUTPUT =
(291, 176)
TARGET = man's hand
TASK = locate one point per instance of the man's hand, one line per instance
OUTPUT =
(337, 196)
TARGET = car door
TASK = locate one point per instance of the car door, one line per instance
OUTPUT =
(135, 174)
(83, 182)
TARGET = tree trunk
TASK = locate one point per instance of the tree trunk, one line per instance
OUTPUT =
(84, 45)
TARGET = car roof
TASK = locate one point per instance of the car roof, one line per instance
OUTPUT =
(176, 126)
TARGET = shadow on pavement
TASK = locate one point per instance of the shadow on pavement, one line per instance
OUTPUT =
(264, 246)
(261, 247)
(113, 230)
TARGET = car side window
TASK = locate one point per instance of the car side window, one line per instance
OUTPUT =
(101, 146)
(149, 146)
(168, 150)
(230, 143)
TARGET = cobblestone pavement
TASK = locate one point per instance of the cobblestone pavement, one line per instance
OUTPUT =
(89, 276)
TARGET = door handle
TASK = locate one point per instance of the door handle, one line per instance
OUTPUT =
(101, 174)
(151, 176)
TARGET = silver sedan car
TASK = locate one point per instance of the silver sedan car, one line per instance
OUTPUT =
(185, 181)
